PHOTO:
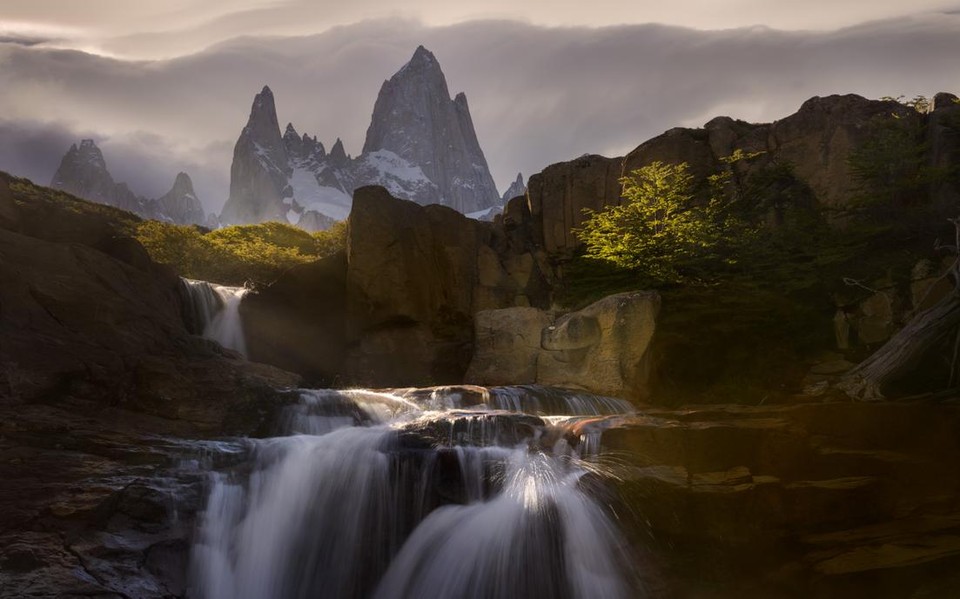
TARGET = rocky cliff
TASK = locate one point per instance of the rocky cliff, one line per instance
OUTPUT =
(420, 146)
(83, 172)
(398, 307)
(816, 143)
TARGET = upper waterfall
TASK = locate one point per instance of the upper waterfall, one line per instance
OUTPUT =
(214, 311)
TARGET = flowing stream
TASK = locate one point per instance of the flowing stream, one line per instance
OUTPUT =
(214, 311)
(444, 493)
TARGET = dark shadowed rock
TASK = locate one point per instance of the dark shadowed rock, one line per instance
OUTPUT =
(411, 272)
(812, 500)
(299, 322)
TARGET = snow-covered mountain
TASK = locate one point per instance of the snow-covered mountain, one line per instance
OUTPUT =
(421, 146)
(83, 172)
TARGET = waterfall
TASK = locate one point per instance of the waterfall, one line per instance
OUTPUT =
(366, 494)
(214, 312)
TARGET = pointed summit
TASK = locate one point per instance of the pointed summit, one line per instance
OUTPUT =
(83, 172)
(422, 56)
(517, 188)
(337, 154)
(260, 169)
(180, 204)
(415, 119)
(262, 124)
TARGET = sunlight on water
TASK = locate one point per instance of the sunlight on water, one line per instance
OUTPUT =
(372, 494)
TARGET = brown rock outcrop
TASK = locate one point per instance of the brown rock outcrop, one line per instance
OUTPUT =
(557, 197)
(602, 348)
(817, 141)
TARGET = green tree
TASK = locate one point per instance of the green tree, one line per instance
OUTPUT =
(659, 231)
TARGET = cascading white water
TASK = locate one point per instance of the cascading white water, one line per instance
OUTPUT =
(215, 311)
(376, 495)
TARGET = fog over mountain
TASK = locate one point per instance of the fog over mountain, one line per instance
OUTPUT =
(533, 90)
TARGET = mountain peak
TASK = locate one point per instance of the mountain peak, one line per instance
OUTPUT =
(421, 54)
(263, 113)
(415, 119)
(183, 182)
(517, 188)
(180, 204)
(337, 154)
(423, 61)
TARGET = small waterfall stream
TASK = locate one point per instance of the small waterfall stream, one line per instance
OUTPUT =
(214, 311)
(417, 496)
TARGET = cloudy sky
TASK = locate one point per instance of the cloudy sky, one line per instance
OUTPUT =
(166, 86)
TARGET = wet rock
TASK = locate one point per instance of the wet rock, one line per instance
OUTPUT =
(820, 500)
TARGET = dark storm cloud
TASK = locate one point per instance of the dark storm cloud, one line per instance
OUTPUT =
(538, 95)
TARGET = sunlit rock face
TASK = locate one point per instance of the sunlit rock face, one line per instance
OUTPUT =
(603, 348)
(420, 146)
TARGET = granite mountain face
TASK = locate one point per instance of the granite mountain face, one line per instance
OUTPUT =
(415, 119)
(83, 172)
(421, 145)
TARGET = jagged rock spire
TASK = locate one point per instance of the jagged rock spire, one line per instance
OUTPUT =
(181, 204)
(415, 118)
(517, 188)
(260, 170)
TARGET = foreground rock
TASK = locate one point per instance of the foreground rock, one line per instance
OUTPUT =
(97, 373)
(603, 348)
(813, 500)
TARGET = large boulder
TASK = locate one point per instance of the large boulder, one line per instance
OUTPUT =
(411, 273)
(602, 348)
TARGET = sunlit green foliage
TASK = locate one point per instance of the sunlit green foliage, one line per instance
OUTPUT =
(660, 231)
(920, 103)
(240, 253)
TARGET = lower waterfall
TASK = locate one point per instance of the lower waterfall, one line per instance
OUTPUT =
(214, 311)
(368, 494)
